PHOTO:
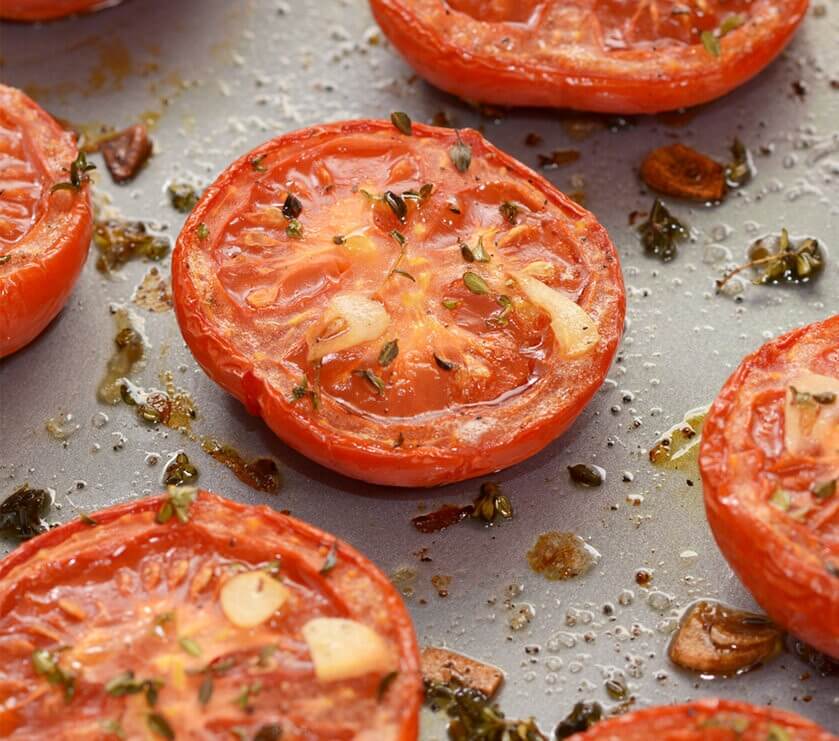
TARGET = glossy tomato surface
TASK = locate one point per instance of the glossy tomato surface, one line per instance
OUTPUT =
(596, 55)
(770, 464)
(47, 10)
(123, 602)
(44, 236)
(365, 296)
(706, 720)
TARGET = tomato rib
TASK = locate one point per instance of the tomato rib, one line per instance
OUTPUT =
(612, 57)
(133, 594)
(770, 463)
(394, 247)
(44, 235)
(704, 720)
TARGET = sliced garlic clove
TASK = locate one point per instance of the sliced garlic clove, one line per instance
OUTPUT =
(350, 319)
(249, 599)
(343, 649)
(575, 331)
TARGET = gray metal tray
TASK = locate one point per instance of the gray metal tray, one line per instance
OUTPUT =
(221, 77)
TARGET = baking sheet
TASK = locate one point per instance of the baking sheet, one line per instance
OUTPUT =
(217, 78)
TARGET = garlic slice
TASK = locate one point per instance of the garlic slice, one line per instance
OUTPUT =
(249, 599)
(349, 320)
(575, 331)
(811, 422)
(343, 649)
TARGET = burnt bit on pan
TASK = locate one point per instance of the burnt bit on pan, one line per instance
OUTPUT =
(126, 152)
(677, 170)
(22, 511)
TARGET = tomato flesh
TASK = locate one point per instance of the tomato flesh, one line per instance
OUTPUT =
(705, 720)
(462, 355)
(47, 10)
(599, 55)
(127, 593)
(44, 235)
(768, 494)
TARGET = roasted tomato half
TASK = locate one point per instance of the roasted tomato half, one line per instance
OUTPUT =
(770, 469)
(47, 10)
(706, 720)
(406, 308)
(45, 219)
(189, 616)
(596, 55)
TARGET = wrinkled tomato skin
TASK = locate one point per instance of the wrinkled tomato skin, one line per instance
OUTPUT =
(780, 563)
(643, 81)
(404, 692)
(405, 466)
(43, 264)
(705, 720)
(48, 10)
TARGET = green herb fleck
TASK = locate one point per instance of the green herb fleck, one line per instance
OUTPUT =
(398, 236)
(510, 211)
(177, 503)
(256, 163)
(491, 504)
(731, 23)
(243, 699)
(781, 499)
(740, 170)
(586, 475)
(302, 390)
(404, 274)
(475, 254)
(189, 645)
(205, 690)
(202, 231)
(87, 519)
(384, 684)
(711, 43)
(388, 353)
(502, 318)
(78, 170)
(182, 197)
(113, 727)
(377, 383)
(294, 229)
(396, 204)
(450, 303)
(776, 733)
(661, 232)
(825, 489)
(475, 283)
(402, 122)
(331, 559)
(46, 666)
(460, 154)
(180, 471)
(160, 726)
(442, 363)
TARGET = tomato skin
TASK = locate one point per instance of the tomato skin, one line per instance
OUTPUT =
(406, 687)
(780, 563)
(373, 461)
(704, 720)
(639, 82)
(47, 10)
(45, 262)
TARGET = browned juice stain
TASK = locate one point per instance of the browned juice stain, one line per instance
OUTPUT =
(561, 555)
(261, 474)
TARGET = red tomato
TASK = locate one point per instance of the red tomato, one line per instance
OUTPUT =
(222, 611)
(46, 10)
(380, 325)
(770, 464)
(706, 720)
(44, 235)
(606, 55)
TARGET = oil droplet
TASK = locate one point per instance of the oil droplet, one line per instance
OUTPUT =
(560, 555)
(61, 426)
(129, 351)
(678, 448)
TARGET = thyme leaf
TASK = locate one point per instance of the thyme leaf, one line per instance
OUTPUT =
(294, 229)
(475, 283)
(388, 353)
(256, 163)
(377, 383)
(292, 206)
(46, 665)
(711, 43)
(491, 504)
(662, 232)
(331, 559)
(510, 211)
(396, 204)
(78, 170)
(402, 121)
(460, 154)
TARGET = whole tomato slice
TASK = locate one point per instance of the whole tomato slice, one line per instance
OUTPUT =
(44, 234)
(47, 10)
(191, 616)
(770, 469)
(596, 55)
(391, 316)
(706, 720)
